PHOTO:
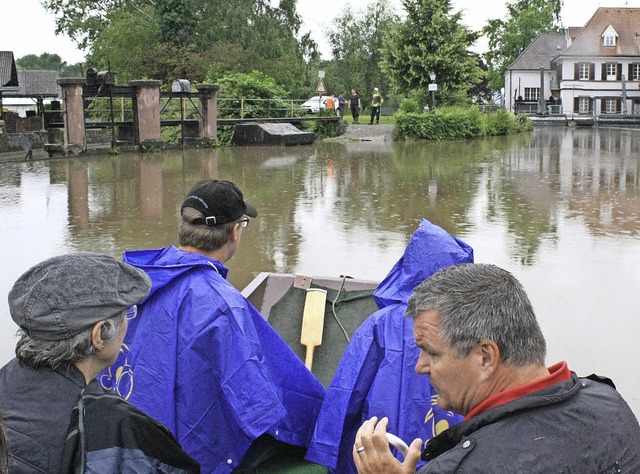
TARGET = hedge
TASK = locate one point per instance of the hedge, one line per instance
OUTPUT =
(457, 123)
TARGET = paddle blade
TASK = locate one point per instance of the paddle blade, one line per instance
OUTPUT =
(313, 317)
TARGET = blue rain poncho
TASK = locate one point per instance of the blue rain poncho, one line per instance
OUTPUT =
(199, 358)
(376, 375)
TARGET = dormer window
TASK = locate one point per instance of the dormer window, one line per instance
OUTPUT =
(609, 37)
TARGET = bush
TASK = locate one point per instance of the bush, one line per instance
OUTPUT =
(329, 129)
(457, 123)
(409, 106)
(499, 122)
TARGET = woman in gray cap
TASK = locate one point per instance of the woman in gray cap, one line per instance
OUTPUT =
(72, 314)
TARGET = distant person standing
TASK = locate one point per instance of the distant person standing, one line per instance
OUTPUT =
(355, 104)
(376, 103)
(342, 105)
(330, 102)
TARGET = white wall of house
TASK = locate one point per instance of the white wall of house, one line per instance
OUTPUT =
(587, 90)
(526, 84)
(18, 105)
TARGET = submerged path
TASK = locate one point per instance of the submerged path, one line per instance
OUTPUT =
(365, 133)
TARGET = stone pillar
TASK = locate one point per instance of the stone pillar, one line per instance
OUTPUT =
(75, 139)
(208, 112)
(147, 113)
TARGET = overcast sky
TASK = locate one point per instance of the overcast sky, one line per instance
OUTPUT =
(28, 29)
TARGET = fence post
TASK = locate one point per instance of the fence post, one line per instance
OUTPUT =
(241, 107)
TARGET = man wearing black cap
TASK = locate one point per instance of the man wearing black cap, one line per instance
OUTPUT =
(200, 358)
(72, 313)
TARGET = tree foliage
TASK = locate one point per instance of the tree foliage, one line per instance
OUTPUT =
(356, 45)
(49, 62)
(432, 38)
(510, 36)
(84, 20)
(256, 85)
(166, 39)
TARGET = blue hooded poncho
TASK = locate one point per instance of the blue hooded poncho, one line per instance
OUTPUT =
(199, 358)
(376, 375)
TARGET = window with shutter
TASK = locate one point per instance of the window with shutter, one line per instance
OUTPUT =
(610, 106)
(611, 71)
(584, 105)
(583, 71)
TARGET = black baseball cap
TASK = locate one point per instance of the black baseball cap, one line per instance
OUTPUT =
(219, 201)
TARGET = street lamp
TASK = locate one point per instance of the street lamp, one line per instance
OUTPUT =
(433, 87)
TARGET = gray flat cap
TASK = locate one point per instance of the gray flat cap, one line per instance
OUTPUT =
(64, 295)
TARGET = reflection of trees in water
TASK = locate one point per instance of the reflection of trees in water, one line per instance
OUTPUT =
(523, 190)
(525, 181)
(390, 189)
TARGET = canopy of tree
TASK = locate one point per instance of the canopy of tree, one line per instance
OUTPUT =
(48, 62)
(210, 40)
(510, 36)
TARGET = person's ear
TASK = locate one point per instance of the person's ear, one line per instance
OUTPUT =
(235, 233)
(489, 356)
(96, 337)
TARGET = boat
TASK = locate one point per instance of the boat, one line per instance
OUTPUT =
(281, 299)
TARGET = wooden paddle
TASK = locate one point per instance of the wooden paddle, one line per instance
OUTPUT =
(312, 322)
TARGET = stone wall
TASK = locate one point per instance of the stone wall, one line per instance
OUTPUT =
(13, 123)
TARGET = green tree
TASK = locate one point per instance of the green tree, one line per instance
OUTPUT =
(45, 61)
(356, 45)
(49, 62)
(168, 39)
(84, 20)
(177, 21)
(510, 36)
(431, 39)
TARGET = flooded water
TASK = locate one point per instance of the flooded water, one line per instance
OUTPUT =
(558, 207)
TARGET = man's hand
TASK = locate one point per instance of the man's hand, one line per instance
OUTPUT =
(372, 454)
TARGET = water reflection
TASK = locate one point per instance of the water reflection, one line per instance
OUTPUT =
(558, 207)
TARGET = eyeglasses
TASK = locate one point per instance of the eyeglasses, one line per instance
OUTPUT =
(244, 222)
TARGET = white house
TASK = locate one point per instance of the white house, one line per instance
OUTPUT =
(531, 79)
(591, 72)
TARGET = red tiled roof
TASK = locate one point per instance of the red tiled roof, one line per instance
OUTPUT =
(625, 21)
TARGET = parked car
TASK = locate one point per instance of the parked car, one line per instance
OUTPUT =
(314, 104)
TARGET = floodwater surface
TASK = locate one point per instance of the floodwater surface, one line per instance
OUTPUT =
(558, 207)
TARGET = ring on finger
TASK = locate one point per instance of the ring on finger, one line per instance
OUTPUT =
(360, 449)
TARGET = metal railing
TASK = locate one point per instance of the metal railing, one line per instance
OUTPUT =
(259, 108)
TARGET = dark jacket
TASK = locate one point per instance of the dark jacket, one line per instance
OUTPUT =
(113, 436)
(580, 425)
(37, 406)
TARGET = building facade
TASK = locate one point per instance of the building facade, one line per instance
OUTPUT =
(584, 73)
